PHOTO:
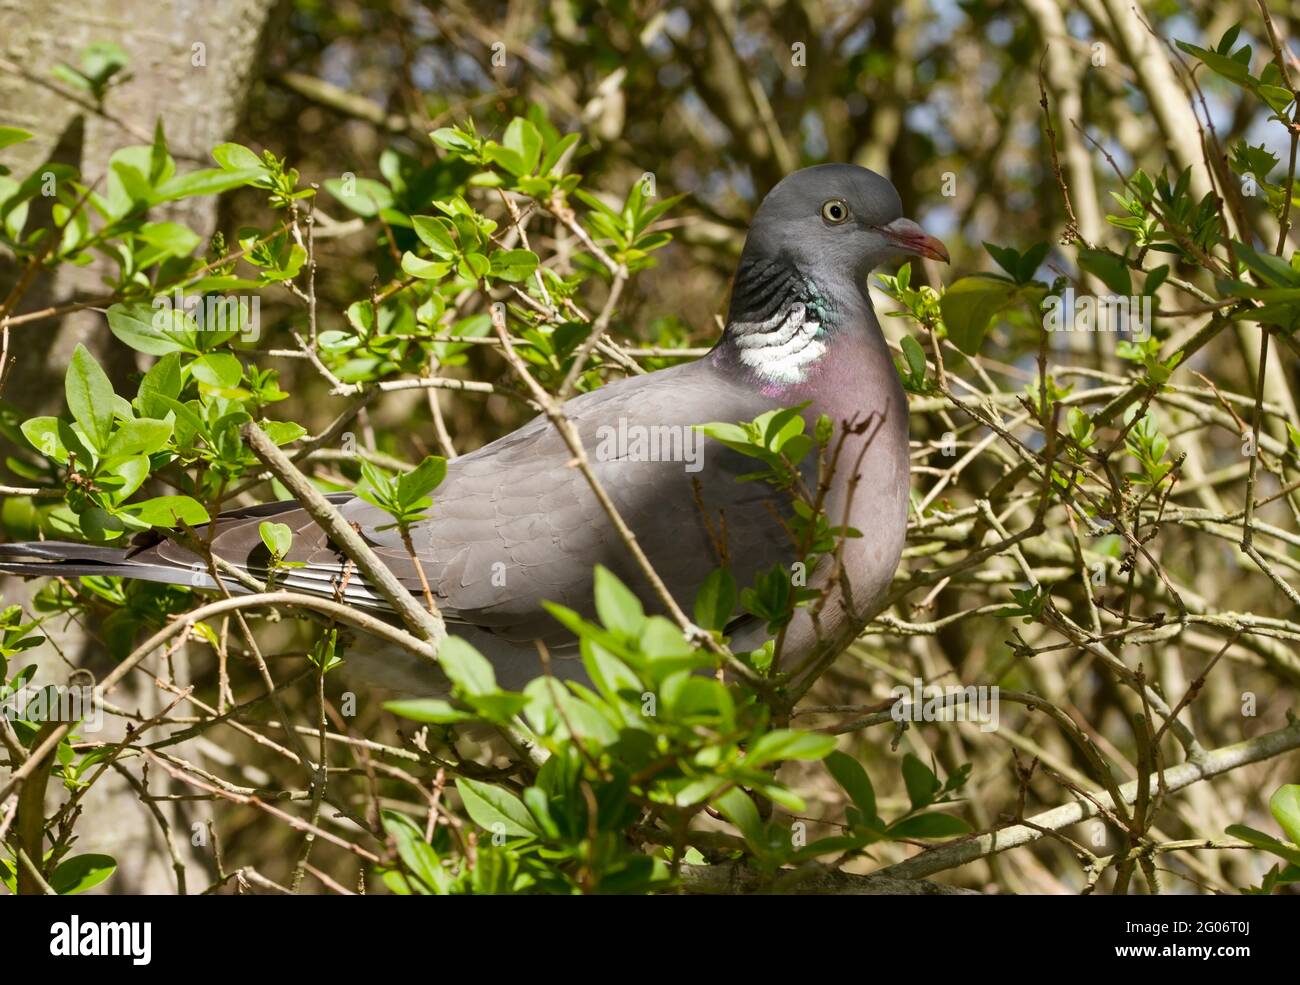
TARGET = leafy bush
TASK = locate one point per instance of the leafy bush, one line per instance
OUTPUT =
(1058, 529)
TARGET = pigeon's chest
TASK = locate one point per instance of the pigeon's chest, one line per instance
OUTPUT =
(857, 387)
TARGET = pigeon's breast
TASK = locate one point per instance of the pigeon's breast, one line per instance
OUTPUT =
(857, 386)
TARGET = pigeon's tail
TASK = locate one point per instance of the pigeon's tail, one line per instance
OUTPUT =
(61, 559)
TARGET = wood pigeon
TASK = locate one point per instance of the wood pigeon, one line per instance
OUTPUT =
(514, 523)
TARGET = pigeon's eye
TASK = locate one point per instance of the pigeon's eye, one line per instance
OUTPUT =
(835, 211)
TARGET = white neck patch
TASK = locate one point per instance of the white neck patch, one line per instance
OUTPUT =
(781, 349)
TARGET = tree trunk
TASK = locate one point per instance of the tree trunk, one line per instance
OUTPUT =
(189, 64)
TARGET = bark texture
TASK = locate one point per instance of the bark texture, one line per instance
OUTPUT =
(190, 66)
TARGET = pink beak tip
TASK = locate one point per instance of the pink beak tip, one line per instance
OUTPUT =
(908, 236)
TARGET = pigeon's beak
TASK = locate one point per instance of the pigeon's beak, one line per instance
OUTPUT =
(911, 238)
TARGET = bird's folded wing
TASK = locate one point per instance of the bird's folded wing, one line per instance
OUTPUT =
(515, 523)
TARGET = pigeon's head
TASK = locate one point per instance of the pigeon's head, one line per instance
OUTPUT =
(838, 218)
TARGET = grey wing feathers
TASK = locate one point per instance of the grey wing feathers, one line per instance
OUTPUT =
(514, 523)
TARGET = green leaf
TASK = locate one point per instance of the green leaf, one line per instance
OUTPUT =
(416, 853)
(509, 160)
(435, 233)
(90, 396)
(130, 182)
(282, 432)
(161, 164)
(1030, 262)
(101, 60)
(13, 135)
(162, 380)
(424, 269)
(915, 357)
(98, 525)
(68, 74)
(364, 196)
(737, 808)
(513, 265)
(491, 806)
(1006, 257)
(778, 794)
(123, 474)
(1108, 268)
(716, 600)
(781, 744)
(235, 157)
(466, 667)
(850, 775)
(619, 610)
(699, 698)
(206, 181)
(140, 436)
(782, 426)
(1285, 807)
(473, 266)
(920, 781)
(1272, 270)
(416, 485)
(1229, 68)
(81, 872)
(144, 327)
(1267, 842)
(562, 713)
(167, 511)
(499, 707)
(219, 369)
(43, 433)
(170, 237)
(451, 139)
(1277, 97)
(278, 537)
(610, 674)
(433, 710)
(556, 152)
(969, 305)
(522, 138)
(1154, 279)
